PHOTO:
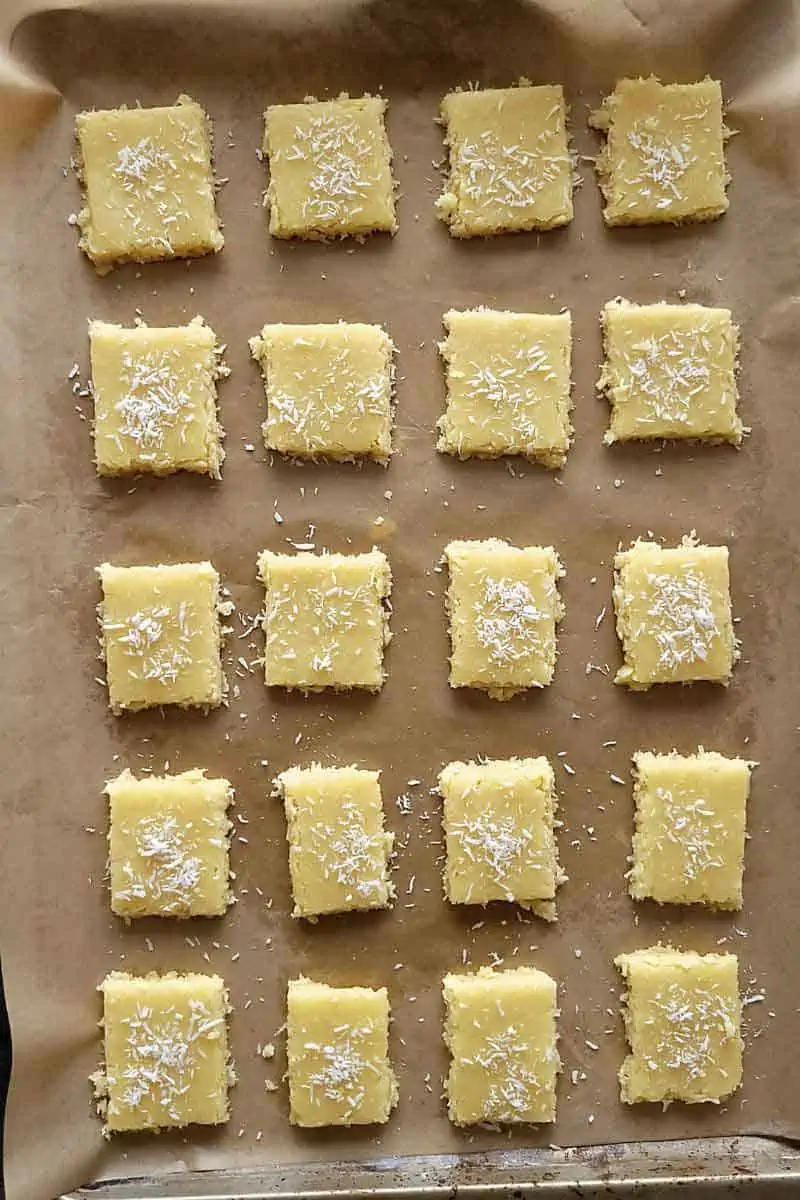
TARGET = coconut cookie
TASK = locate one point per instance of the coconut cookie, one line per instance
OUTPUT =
(664, 157)
(166, 1052)
(148, 184)
(670, 372)
(155, 399)
(337, 1043)
(508, 385)
(499, 833)
(500, 1029)
(504, 604)
(326, 621)
(161, 635)
(338, 846)
(509, 163)
(682, 1020)
(330, 168)
(688, 846)
(328, 389)
(673, 610)
(168, 845)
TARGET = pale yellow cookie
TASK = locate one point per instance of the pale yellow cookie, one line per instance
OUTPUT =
(168, 845)
(501, 1032)
(509, 163)
(504, 604)
(330, 168)
(329, 390)
(155, 399)
(337, 1044)
(338, 846)
(148, 184)
(508, 385)
(673, 609)
(166, 1051)
(688, 847)
(670, 372)
(682, 1016)
(499, 833)
(161, 635)
(664, 157)
(326, 622)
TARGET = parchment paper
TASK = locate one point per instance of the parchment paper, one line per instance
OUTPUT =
(60, 743)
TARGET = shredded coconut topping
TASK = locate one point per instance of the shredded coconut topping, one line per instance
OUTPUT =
(342, 160)
(168, 871)
(668, 372)
(163, 1052)
(691, 1025)
(509, 384)
(157, 640)
(144, 169)
(154, 401)
(343, 1077)
(680, 617)
(507, 620)
(347, 853)
(691, 824)
(324, 410)
(499, 845)
(662, 164)
(514, 1086)
(492, 172)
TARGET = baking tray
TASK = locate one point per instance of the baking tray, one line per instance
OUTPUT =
(701, 1169)
(60, 521)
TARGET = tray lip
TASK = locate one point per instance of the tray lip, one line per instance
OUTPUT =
(707, 1167)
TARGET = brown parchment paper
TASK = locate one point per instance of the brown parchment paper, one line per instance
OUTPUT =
(60, 742)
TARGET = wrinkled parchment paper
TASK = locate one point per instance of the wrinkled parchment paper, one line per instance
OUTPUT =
(60, 743)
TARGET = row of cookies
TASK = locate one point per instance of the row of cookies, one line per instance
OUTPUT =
(326, 621)
(167, 1062)
(669, 372)
(149, 187)
(169, 852)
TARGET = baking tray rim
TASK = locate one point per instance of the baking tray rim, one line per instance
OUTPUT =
(707, 1167)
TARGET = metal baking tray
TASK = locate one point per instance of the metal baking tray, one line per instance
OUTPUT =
(705, 1169)
(103, 52)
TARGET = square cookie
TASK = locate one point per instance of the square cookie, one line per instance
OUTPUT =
(338, 1051)
(166, 1051)
(155, 399)
(325, 620)
(673, 610)
(688, 846)
(664, 156)
(338, 847)
(148, 184)
(503, 604)
(510, 167)
(330, 168)
(168, 845)
(500, 1029)
(499, 836)
(670, 372)
(161, 635)
(329, 390)
(508, 385)
(682, 1016)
